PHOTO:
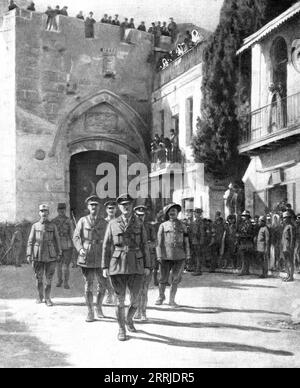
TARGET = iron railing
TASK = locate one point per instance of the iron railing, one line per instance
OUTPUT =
(272, 119)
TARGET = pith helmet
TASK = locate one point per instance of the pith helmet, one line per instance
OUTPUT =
(169, 207)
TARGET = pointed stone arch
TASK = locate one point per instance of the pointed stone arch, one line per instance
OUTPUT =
(132, 118)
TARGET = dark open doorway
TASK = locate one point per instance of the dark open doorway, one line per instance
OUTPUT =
(83, 178)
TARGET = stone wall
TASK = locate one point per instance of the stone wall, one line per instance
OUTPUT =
(7, 119)
(56, 71)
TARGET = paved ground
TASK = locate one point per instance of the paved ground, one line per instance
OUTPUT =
(220, 324)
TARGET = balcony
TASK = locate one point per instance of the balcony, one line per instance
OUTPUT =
(271, 126)
(163, 158)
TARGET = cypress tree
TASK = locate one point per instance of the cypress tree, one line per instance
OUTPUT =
(226, 90)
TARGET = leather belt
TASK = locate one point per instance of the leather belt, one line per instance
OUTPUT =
(94, 241)
(126, 249)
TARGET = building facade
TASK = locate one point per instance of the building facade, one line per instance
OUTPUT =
(176, 104)
(68, 104)
(272, 139)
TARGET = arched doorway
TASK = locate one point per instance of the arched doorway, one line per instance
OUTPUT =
(98, 130)
(84, 178)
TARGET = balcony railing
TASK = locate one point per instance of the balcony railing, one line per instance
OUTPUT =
(271, 120)
(162, 158)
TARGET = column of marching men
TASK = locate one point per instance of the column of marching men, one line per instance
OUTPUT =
(120, 253)
(126, 252)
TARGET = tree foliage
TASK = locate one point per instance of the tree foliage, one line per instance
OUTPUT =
(216, 141)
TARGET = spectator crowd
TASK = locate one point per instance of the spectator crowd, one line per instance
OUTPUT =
(157, 29)
(165, 149)
(270, 241)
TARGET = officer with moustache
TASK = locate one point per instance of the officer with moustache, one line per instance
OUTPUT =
(126, 260)
(88, 240)
(44, 250)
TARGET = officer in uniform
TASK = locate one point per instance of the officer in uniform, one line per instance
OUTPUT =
(288, 246)
(198, 241)
(16, 245)
(111, 210)
(44, 250)
(126, 237)
(173, 250)
(66, 231)
(88, 241)
(141, 314)
(245, 237)
(263, 245)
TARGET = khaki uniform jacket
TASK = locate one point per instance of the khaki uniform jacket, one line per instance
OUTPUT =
(288, 239)
(129, 245)
(263, 240)
(65, 231)
(89, 235)
(173, 242)
(196, 232)
(44, 243)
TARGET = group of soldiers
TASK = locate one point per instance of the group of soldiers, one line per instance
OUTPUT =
(241, 241)
(126, 252)
(120, 253)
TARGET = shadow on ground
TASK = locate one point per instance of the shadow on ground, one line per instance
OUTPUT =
(209, 325)
(214, 310)
(213, 346)
(20, 349)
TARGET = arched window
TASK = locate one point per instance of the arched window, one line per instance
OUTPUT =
(278, 89)
(279, 57)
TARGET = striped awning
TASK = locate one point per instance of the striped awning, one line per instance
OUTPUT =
(268, 28)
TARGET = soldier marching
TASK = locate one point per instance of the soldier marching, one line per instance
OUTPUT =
(121, 252)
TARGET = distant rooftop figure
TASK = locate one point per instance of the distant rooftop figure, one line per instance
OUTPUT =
(64, 11)
(12, 5)
(104, 19)
(116, 21)
(172, 27)
(142, 27)
(89, 26)
(31, 7)
(131, 23)
(80, 15)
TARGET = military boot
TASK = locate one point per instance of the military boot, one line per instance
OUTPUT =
(48, 300)
(129, 322)
(89, 302)
(120, 312)
(155, 277)
(66, 278)
(173, 292)
(162, 297)
(99, 311)
(40, 288)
